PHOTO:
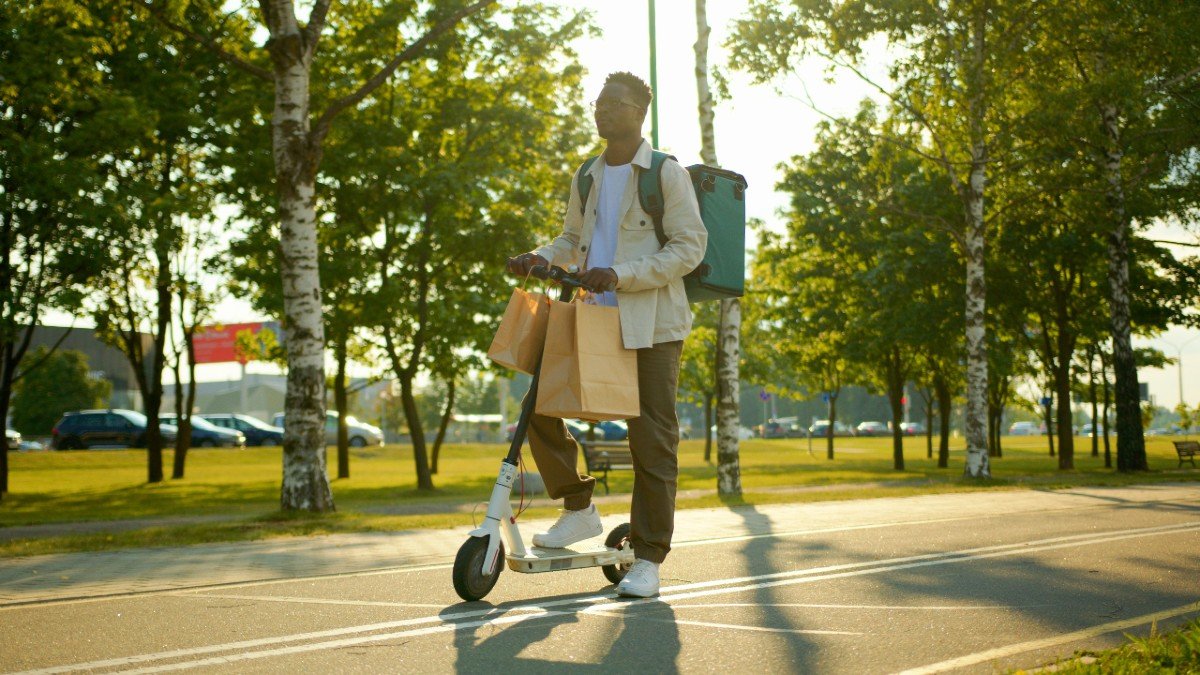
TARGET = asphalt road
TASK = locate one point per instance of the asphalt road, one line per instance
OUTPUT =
(980, 582)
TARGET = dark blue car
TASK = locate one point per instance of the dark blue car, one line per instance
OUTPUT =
(605, 431)
(256, 431)
(207, 435)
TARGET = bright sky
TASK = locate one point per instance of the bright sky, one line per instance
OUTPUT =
(755, 131)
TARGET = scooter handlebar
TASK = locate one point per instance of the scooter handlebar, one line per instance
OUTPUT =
(559, 275)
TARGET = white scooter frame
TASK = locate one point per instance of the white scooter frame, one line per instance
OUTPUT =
(476, 568)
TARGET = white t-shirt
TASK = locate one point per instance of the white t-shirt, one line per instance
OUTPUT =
(603, 248)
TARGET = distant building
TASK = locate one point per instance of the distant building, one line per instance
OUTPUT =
(106, 362)
(258, 394)
(262, 395)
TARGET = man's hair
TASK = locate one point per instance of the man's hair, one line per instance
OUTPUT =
(641, 90)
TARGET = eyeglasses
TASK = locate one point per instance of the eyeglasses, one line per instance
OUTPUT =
(610, 103)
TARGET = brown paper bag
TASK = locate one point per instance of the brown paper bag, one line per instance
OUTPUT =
(586, 371)
(518, 341)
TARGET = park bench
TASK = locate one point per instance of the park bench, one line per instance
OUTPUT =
(1187, 451)
(604, 456)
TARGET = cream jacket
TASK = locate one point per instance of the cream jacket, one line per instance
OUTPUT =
(650, 293)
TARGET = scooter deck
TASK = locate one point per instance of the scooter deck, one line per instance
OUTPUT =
(555, 559)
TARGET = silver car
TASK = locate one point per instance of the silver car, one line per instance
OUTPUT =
(360, 434)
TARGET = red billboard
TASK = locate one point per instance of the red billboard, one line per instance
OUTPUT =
(216, 344)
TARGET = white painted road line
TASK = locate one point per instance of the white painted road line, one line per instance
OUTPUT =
(1032, 645)
(312, 601)
(600, 603)
(808, 605)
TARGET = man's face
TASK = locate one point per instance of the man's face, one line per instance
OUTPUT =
(617, 113)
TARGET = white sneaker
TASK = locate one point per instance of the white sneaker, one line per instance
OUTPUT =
(641, 581)
(572, 527)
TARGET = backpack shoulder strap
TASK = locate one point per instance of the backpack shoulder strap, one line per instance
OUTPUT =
(583, 181)
(650, 193)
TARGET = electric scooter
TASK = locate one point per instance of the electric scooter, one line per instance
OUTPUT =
(477, 565)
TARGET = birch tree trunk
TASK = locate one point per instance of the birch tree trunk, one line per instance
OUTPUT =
(1131, 444)
(708, 143)
(305, 482)
(1095, 432)
(729, 473)
(729, 478)
(975, 419)
(296, 149)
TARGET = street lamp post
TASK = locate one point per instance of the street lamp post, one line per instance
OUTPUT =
(653, 81)
(1179, 364)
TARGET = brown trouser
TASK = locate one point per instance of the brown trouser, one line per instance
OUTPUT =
(653, 442)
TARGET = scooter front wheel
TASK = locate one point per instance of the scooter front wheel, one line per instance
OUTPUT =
(618, 539)
(469, 580)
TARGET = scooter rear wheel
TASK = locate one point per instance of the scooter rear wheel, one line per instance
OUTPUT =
(618, 539)
(469, 580)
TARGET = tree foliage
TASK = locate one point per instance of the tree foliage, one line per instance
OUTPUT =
(54, 383)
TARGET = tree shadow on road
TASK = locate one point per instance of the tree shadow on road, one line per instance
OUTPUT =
(614, 636)
(765, 555)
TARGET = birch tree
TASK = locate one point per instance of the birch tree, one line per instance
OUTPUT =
(1134, 92)
(729, 324)
(957, 61)
(298, 133)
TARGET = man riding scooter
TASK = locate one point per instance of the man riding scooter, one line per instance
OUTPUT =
(607, 233)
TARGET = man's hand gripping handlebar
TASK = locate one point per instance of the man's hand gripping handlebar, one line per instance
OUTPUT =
(559, 275)
(595, 280)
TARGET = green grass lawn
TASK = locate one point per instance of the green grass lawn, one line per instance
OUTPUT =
(1176, 651)
(242, 486)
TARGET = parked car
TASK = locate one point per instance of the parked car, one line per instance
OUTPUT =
(1023, 429)
(114, 428)
(872, 429)
(820, 429)
(257, 432)
(609, 430)
(912, 428)
(781, 427)
(13, 438)
(205, 434)
(361, 434)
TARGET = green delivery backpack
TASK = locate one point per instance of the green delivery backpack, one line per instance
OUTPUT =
(722, 198)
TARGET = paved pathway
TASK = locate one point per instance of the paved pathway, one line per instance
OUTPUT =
(80, 575)
(978, 582)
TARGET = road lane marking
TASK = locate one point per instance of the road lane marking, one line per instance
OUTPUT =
(806, 605)
(601, 603)
(313, 601)
(761, 629)
(1032, 645)
(711, 624)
